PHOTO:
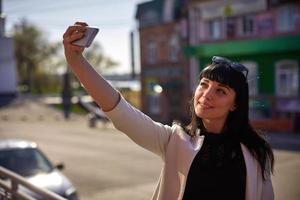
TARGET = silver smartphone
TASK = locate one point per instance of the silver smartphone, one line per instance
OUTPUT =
(88, 37)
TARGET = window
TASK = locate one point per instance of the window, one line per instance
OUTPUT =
(25, 161)
(151, 56)
(247, 25)
(287, 79)
(252, 77)
(194, 70)
(149, 18)
(265, 24)
(174, 48)
(285, 19)
(154, 104)
(153, 91)
(214, 28)
(231, 27)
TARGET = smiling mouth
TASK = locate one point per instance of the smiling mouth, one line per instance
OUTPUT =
(203, 105)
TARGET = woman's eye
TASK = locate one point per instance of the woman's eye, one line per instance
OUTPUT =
(203, 84)
(221, 91)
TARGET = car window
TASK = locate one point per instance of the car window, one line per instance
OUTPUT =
(26, 162)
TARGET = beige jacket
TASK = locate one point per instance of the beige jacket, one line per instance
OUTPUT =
(178, 149)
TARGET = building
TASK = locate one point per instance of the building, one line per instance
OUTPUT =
(8, 77)
(264, 35)
(164, 77)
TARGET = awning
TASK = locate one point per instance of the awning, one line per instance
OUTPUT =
(246, 47)
(288, 105)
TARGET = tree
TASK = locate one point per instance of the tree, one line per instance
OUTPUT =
(33, 52)
(38, 60)
(96, 57)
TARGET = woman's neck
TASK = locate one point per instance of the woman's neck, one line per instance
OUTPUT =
(213, 126)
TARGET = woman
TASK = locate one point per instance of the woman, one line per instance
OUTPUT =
(218, 156)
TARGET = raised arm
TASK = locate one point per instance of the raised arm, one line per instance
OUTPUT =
(138, 126)
(101, 91)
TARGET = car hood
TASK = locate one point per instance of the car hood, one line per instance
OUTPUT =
(53, 181)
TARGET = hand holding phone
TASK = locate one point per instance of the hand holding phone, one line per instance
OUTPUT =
(88, 37)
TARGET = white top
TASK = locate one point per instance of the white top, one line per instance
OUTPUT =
(177, 150)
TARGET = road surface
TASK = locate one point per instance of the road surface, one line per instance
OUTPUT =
(104, 164)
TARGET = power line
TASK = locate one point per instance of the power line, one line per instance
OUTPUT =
(102, 24)
(60, 7)
(92, 22)
(112, 23)
(58, 22)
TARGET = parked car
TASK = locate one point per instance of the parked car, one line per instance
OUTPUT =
(26, 159)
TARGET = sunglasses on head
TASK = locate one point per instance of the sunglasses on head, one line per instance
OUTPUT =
(236, 66)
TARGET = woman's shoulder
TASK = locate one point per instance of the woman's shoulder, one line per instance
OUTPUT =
(179, 130)
(177, 127)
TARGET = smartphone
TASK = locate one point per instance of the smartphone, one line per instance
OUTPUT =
(88, 37)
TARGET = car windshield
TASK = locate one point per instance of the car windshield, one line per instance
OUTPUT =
(26, 162)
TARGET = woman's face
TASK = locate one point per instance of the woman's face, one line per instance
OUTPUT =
(213, 100)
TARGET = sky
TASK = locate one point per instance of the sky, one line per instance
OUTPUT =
(114, 18)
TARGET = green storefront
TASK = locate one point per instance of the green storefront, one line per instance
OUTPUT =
(274, 74)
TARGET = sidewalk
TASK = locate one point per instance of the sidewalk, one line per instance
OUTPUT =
(29, 109)
(36, 109)
(284, 141)
(92, 155)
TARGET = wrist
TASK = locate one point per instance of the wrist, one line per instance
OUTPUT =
(75, 61)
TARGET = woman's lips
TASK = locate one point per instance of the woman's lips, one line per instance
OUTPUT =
(205, 105)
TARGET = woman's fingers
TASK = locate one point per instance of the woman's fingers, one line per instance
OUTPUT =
(73, 37)
(68, 45)
(81, 23)
(71, 29)
(75, 32)
(72, 34)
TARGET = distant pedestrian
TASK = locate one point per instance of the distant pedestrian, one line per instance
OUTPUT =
(217, 156)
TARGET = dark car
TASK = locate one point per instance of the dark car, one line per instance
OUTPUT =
(26, 159)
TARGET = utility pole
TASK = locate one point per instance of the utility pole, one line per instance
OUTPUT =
(66, 94)
(2, 21)
(132, 54)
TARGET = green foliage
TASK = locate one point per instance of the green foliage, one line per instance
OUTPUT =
(33, 54)
(96, 57)
(39, 61)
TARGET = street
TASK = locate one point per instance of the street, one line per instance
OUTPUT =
(104, 164)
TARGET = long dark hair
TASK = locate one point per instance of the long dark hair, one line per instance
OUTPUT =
(237, 122)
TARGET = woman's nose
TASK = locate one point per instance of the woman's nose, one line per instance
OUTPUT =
(208, 93)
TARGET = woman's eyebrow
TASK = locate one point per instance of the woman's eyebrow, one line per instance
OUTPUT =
(223, 85)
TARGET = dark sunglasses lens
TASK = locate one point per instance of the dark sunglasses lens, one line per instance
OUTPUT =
(239, 67)
(218, 59)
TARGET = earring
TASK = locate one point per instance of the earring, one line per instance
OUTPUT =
(232, 108)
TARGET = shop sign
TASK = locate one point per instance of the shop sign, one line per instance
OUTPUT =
(288, 105)
(215, 9)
